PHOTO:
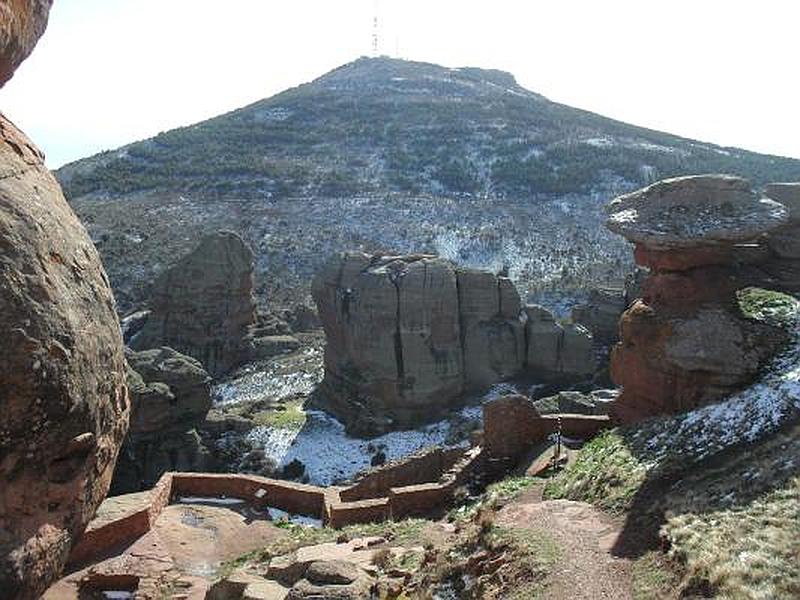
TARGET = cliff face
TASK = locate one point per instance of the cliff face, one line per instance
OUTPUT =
(408, 335)
(63, 400)
(690, 339)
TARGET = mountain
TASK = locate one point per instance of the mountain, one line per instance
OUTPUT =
(388, 155)
(380, 124)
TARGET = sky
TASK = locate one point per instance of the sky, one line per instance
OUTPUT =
(109, 72)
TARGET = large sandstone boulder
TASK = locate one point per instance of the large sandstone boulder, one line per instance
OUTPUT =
(394, 351)
(203, 306)
(692, 212)
(170, 398)
(63, 401)
(22, 23)
(407, 336)
(492, 332)
(687, 341)
(600, 313)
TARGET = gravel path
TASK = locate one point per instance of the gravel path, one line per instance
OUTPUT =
(587, 569)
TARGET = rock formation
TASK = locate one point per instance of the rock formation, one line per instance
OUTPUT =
(63, 400)
(21, 26)
(783, 266)
(601, 312)
(203, 306)
(408, 335)
(170, 398)
(556, 351)
(686, 341)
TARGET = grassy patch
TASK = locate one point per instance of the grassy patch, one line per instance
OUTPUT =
(606, 474)
(492, 562)
(767, 305)
(496, 494)
(736, 526)
(289, 415)
(653, 577)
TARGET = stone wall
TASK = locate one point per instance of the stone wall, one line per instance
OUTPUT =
(512, 426)
(407, 497)
(422, 467)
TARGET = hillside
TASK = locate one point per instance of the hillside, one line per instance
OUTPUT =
(386, 154)
(381, 124)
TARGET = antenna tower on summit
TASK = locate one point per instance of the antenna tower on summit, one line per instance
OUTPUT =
(375, 32)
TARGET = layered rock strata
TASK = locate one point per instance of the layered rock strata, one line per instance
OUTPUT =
(686, 341)
(408, 335)
(63, 400)
(170, 398)
(203, 306)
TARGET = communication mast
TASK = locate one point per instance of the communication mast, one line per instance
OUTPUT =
(375, 31)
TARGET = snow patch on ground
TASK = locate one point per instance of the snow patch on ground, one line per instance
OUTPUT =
(331, 456)
(276, 514)
(274, 383)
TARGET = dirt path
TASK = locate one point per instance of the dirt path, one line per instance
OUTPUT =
(586, 570)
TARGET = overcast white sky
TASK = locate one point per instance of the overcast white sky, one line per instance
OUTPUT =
(108, 72)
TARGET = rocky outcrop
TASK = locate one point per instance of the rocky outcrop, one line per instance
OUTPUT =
(783, 265)
(601, 312)
(687, 342)
(597, 402)
(203, 306)
(63, 401)
(393, 338)
(408, 335)
(170, 398)
(557, 351)
(21, 26)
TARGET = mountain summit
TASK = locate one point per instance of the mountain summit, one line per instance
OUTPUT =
(383, 124)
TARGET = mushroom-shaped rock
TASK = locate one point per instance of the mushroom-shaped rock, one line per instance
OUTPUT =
(785, 242)
(686, 342)
(686, 212)
(685, 222)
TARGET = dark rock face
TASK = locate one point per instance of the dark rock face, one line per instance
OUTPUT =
(170, 398)
(600, 313)
(783, 264)
(63, 401)
(686, 342)
(22, 23)
(555, 351)
(408, 335)
(203, 306)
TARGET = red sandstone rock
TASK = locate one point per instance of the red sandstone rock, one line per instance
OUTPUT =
(22, 23)
(63, 400)
(686, 343)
